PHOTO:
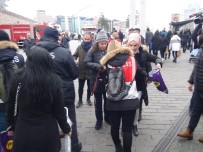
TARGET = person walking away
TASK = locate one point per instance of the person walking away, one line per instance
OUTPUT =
(79, 37)
(163, 43)
(155, 42)
(10, 62)
(169, 36)
(28, 43)
(39, 108)
(66, 68)
(98, 74)
(65, 40)
(196, 80)
(143, 58)
(175, 44)
(84, 73)
(148, 36)
(123, 109)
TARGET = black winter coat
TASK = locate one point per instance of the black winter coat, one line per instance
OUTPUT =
(92, 62)
(64, 66)
(196, 77)
(36, 128)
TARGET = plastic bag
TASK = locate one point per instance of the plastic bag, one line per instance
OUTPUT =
(155, 76)
(68, 138)
(6, 142)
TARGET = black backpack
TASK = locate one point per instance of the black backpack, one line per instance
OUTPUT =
(7, 71)
(117, 88)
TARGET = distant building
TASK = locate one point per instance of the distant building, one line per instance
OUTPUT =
(7, 17)
(42, 17)
(61, 21)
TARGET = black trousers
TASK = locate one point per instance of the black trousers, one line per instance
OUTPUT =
(81, 87)
(127, 118)
(98, 107)
(196, 109)
(175, 55)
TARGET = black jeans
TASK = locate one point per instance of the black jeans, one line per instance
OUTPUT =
(98, 107)
(81, 87)
(196, 109)
(127, 126)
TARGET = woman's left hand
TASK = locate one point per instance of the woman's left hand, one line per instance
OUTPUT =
(158, 66)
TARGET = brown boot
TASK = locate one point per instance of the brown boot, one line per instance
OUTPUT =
(186, 134)
(201, 139)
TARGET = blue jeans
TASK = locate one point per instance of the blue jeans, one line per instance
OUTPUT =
(2, 117)
(196, 109)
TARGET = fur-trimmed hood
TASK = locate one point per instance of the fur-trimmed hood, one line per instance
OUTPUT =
(8, 44)
(111, 54)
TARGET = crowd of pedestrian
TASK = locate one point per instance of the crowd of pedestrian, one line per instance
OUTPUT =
(43, 86)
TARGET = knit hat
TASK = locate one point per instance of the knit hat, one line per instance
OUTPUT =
(134, 37)
(4, 36)
(51, 32)
(101, 36)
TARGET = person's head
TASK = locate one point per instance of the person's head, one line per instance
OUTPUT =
(38, 58)
(115, 35)
(148, 29)
(102, 40)
(134, 41)
(4, 36)
(87, 37)
(131, 30)
(51, 32)
(39, 73)
(137, 30)
(28, 35)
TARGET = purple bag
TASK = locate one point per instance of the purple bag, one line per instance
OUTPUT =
(155, 76)
(6, 142)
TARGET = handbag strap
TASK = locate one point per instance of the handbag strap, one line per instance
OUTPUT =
(95, 84)
(16, 99)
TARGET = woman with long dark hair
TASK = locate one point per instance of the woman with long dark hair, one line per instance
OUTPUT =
(40, 105)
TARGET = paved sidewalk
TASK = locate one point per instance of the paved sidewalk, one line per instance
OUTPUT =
(158, 118)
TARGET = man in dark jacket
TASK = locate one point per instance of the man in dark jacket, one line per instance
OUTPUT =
(67, 70)
(65, 40)
(196, 79)
(148, 37)
(28, 43)
(8, 54)
(84, 73)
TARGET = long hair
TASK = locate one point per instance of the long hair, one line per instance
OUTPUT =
(39, 81)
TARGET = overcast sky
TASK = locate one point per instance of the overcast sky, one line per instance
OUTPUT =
(158, 11)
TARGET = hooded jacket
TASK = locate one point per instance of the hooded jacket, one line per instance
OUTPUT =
(8, 52)
(64, 66)
(123, 57)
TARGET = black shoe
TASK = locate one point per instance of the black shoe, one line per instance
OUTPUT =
(89, 102)
(77, 147)
(79, 104)
(98, 126)
(135, 131)
(119, 148)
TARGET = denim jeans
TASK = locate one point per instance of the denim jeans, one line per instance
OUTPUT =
(127, 118)
(196, 109)
(2, 117)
